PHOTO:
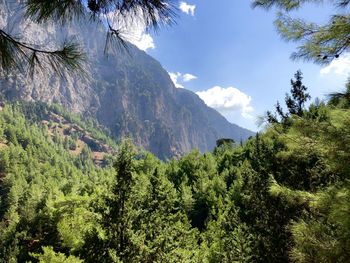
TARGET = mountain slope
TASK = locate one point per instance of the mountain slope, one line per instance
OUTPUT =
(127, 91)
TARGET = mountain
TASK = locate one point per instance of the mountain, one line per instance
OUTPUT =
(126, 90)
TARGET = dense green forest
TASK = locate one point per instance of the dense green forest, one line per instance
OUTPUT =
(70, 193)
(282, 196)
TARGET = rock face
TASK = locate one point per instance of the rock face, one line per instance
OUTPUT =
(127, 90)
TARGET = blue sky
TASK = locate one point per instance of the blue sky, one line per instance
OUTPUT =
(232, 56)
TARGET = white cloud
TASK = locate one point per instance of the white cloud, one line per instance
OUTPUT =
(144, 41)
(187, 8)
(340, 66)
(132, 30)
(174, 77)
(188, 77)
(177, 77)
(227, 100)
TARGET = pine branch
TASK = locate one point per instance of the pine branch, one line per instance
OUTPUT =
(286, 5)
(154, 13)
(54, 10)
(121, 16)
(151, 13)
(319, 43)
(15, 54)
(295, 197)
(343, 3)
(27, 57)
(114, 39)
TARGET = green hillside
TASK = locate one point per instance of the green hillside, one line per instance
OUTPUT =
(282, 196)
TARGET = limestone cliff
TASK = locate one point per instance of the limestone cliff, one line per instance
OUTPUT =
(127, 91)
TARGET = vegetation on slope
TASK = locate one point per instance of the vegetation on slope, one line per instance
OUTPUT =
(283, 196)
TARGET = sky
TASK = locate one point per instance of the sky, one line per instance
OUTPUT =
(232, 56)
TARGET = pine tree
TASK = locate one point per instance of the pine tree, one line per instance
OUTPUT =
(228, 238)
(319, 43)
(118, 219)
(295, 102)
(341, 99)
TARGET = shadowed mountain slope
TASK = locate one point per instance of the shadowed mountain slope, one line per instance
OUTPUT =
(127, 91)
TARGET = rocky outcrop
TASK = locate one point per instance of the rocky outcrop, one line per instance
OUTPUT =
(127, 91)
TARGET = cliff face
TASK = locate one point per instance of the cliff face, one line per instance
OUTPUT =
(127, 91)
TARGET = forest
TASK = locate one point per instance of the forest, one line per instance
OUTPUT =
(69, 193)
(282, 196)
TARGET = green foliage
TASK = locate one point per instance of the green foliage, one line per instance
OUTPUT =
(43, 194)
(282, 196)
(228, 239)
(341, 99)
(295, 102)
(318, 43)
(225, 141)
(50, 256)
(17, 55)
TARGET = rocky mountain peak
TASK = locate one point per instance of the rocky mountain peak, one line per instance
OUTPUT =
(127, 91)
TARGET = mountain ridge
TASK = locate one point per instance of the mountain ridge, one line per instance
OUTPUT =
(128, 91)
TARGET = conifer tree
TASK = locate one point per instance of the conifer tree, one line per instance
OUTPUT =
(341, 99)
(118, 219)
(318, 43)
(229, 239)
(295, 102)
